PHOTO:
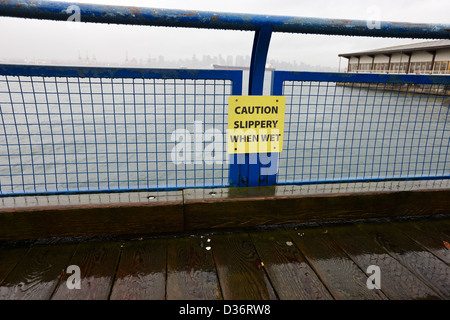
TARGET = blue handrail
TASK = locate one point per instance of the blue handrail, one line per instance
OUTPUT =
(214, 20)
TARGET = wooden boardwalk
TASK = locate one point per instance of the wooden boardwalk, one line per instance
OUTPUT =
(286, 263)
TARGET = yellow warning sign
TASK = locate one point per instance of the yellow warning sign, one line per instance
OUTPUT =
(255, 124)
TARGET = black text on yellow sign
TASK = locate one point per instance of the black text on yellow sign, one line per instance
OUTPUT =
(255, 124)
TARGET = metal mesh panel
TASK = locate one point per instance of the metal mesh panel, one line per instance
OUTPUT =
(64, 134)
(337, 131)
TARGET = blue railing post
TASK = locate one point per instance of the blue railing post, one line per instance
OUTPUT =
(245, 170)
(261, 44)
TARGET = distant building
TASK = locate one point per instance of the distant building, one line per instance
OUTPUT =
(431, 57)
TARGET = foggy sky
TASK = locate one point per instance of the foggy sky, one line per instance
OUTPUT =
(33, 39)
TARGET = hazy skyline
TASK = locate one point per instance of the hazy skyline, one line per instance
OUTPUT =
(34, 39)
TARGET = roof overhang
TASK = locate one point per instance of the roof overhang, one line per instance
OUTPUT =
(430, 46)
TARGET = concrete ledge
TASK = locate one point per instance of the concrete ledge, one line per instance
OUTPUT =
(132, 213)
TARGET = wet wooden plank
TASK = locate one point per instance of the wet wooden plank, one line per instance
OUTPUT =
(84, 215)
(191, 273)
(343, 278)
(275, 205)
(97, 262)
(288, 270)
(397, 282)
(239, 268)
(141, 274)
(9, 258)
(37, 274)
(429, 234)
(418, 260)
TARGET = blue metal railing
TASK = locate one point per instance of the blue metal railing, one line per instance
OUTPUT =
(70, 129)
(58, 11)
(363, 127)
(66, 129)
